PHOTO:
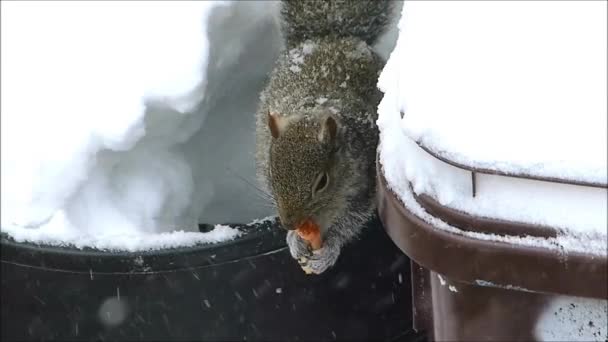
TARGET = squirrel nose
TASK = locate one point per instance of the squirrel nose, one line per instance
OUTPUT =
(287, 217)
(287, 224)
(286, 221)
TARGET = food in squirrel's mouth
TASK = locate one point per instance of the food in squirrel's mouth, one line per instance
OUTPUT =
(310, 232)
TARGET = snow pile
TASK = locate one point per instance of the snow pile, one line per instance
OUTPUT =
(447, 78)
(515, 86)
(103, 105)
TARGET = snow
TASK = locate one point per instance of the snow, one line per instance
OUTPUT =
(575, 209)
(579, 213)
(112, 312)
(512, 86)
(443, 282)
(566, 318)
(396, 161)
(262, 220)
(56, 234)
(308, 47)
(508, 286)
(110, 132)
(573, 319)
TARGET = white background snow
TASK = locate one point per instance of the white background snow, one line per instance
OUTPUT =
(121, 118)
(516, 86)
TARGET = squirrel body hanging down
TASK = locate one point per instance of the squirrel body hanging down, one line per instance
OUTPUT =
(316, 133)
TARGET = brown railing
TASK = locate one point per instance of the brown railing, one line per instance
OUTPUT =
(468, 259)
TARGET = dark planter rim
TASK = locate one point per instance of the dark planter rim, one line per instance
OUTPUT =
(259, 238)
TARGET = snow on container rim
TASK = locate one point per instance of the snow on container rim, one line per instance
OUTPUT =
(134, 241)
(75, 91)
(103, 125)
(566, 242)
(518, 87)
(59, 233)
(579, 213)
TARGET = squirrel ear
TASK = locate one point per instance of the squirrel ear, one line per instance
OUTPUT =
(276, 124)
(329, 130)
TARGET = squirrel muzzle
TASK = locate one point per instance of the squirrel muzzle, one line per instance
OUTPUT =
(290, 222)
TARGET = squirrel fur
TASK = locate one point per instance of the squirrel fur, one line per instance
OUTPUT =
(316, 133)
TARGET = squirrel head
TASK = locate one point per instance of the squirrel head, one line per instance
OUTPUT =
(306, 169)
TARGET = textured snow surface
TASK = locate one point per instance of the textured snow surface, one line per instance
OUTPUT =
(113, 113)
(459, 67)
(579, 212)
(55, 234)
(518, 86)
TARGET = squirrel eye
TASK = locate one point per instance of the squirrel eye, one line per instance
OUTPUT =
(321, 182)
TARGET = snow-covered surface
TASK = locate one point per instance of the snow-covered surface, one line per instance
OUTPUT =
(56, 234)
(508, 286)
(577, 209)
(443, 282)
(517, 86)
(398, 183)
(573, 319)
(121, 119)
(580, 212)
(573, 209)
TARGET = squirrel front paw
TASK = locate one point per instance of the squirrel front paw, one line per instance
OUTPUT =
(321, 260)
(297, 246)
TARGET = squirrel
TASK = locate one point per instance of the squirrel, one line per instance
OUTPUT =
(316, 133)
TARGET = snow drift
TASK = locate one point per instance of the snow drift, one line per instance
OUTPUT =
(126, 118)
(514, 96)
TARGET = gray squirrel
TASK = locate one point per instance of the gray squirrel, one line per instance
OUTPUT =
(316, 133)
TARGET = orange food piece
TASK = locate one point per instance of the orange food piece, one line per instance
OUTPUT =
(310, 232)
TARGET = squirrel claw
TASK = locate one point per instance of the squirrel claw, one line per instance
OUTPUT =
(297, 246)
(321, 260)
(312, 262)
(307, 269)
